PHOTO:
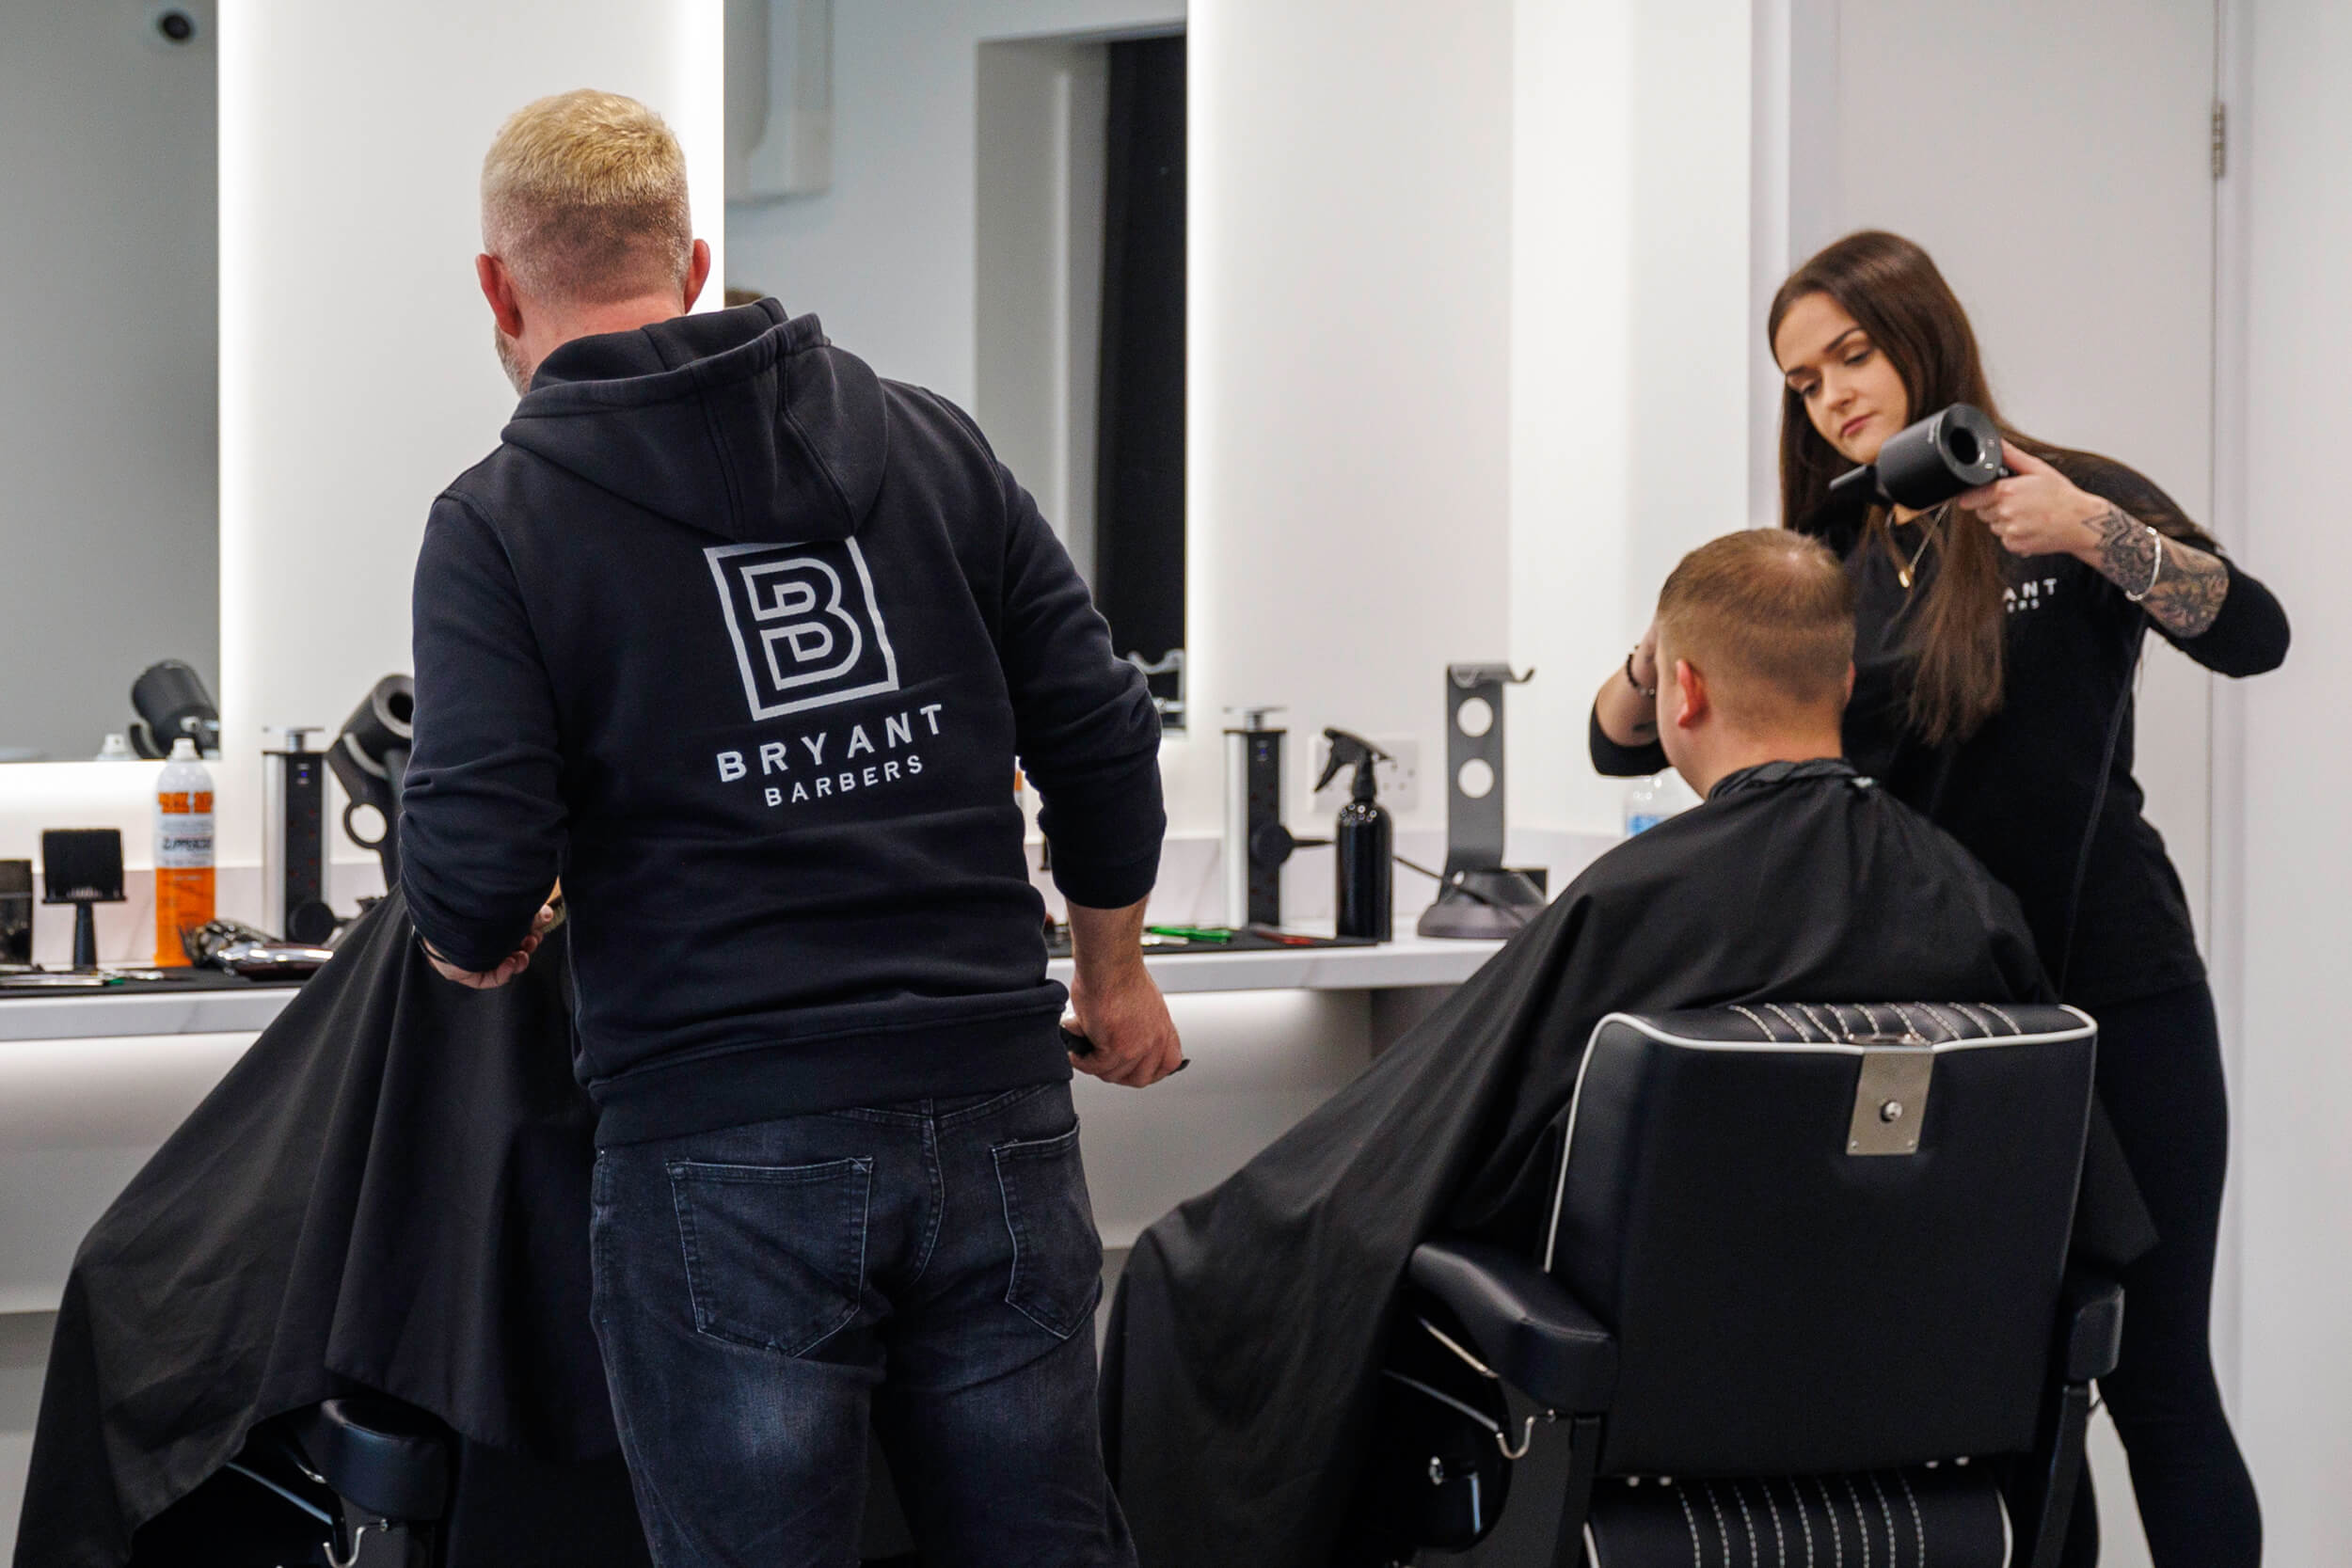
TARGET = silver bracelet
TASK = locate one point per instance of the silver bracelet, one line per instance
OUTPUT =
(1649, 693)
(2155, 571)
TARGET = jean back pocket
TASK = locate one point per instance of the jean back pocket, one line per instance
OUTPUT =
(775, 1255)
(1057, 1255)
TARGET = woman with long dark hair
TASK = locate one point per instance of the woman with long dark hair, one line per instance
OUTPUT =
(1997, 638)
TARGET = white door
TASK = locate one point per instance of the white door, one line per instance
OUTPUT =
(2057, 162)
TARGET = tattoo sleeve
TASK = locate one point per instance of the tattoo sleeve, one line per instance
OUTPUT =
(2189, 583)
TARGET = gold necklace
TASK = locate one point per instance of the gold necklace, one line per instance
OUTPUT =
(1904, 572)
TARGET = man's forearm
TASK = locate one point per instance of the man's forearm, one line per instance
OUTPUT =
(1104, 943)
(1120, 1010)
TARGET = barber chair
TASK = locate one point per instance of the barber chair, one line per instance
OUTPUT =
(368, 1481)
(1800, 1297)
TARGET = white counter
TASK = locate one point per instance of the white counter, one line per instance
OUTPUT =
(1411, 961)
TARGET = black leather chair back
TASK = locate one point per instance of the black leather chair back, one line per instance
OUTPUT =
(1787, 1301)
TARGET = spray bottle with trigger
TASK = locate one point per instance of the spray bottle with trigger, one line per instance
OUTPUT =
(1366, 842)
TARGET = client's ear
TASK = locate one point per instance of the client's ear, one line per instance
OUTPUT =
(1850, 680)
(1691, 703)
(697, 272)
(498, 288)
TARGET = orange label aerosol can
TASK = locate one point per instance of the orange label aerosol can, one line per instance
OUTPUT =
(184, 851)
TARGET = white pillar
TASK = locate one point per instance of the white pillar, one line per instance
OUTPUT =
(1347, 493)
(357, 377)
(2292, 1159)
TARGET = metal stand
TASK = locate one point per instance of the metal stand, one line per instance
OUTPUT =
(1481, 898)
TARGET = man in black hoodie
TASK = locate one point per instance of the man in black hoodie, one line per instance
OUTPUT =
(743, 642)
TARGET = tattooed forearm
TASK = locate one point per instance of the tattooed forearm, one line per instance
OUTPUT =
(2188, 593)
(2189, 584)
(2125, 553)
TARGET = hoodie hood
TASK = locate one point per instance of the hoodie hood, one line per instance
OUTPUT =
(744, 423)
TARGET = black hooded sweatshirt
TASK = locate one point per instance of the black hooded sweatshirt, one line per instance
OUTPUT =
(743, 641)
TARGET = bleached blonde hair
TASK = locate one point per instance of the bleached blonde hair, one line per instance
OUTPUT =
(583, 198)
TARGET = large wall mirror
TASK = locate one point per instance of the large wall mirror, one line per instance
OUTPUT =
(109, 520)
(1000, 216)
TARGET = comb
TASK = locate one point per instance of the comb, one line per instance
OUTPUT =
(82, 866)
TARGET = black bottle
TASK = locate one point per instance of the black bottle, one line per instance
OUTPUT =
(1366, 840)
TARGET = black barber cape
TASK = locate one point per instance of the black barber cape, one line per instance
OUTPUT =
(388, 1191)
(1240, 1375)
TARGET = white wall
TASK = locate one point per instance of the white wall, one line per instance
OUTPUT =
(107, 532)
(1630, 351)
(2294, 1099)
(357, 375)
(1350, 292)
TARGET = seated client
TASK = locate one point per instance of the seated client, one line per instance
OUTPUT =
(1240, 1378)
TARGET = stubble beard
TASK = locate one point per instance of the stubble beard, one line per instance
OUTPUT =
(518, 370)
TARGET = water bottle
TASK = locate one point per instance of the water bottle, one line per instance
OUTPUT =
(1646, 804)
(183, 850)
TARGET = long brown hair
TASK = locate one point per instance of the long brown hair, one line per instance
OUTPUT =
(1892, 288)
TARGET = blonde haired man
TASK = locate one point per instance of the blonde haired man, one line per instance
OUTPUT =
(743, 642)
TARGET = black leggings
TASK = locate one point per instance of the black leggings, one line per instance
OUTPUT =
(2160, 1076)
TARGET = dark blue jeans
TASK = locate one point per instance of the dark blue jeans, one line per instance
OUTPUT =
(763, 1293)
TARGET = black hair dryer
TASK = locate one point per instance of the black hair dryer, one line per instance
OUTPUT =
(370, 761)
(172, 705)
(1950, 452)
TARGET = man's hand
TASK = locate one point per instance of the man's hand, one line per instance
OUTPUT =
(1117, 1003)
(511, 965)
(1627, 716)
(1127, 1021)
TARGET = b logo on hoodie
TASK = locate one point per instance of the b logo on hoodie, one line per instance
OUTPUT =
(807, 630)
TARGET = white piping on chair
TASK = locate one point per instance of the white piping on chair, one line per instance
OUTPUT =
(1804, 1523)
(1829, 1516)
(1918, 1525)
(1443, 1398)
(1886, 1512)
(1860, 1524)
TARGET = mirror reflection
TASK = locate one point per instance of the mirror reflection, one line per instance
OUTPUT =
(1066, 337)
(109, 418)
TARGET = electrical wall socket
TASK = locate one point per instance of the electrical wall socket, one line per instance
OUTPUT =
(1399, 775)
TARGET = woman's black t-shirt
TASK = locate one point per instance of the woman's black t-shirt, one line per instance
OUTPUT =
(2020, 792)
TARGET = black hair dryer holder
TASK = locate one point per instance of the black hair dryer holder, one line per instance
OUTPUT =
(369, 759)
(1481, 898)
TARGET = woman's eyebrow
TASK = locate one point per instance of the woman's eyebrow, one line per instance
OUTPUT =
(1838, 341)
(1827, 349)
